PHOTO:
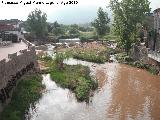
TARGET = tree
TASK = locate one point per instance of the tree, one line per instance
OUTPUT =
(37, 23)
(127, 15)
(101, 23)
(57, 29)
(73, 30)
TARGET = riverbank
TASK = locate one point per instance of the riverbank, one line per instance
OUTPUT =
(98, 53)
(26, 93)
(125, 59)
(75, 78)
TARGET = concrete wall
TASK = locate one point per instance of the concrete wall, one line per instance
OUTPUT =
(15, 64)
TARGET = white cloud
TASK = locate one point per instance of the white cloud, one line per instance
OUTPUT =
(155, 4)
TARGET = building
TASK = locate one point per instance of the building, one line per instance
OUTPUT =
(157, 29)
(10, 30)
(154, 52)
(157, 20)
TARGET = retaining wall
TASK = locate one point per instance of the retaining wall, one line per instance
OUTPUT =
(16, 62)
(140, 52)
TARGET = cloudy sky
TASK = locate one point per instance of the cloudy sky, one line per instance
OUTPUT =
(84, 11)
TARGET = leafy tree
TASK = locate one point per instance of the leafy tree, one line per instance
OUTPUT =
(127, 15)
(73, 30)
(101, 23)
(57, 29)
(37, 23)
(49, 27)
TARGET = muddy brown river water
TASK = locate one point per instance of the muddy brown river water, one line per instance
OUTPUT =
(124, 93)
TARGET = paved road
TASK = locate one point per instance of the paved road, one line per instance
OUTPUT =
(13, 48)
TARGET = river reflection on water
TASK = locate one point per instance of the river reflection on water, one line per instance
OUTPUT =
(124, 93)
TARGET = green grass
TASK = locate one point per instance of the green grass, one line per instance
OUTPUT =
(75, 78)
(26, 93)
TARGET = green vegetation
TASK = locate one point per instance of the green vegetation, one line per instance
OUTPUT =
(97, 55)
(73, 30)
(109, 37)
(88, 36)
(27, 92)
(57, 29)
(128, 15)
(91, 57)
(101, 23)
(37, 23)
(59, 58)
(76, 78)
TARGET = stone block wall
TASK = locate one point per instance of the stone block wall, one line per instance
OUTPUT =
(15, 64)
(140, 53)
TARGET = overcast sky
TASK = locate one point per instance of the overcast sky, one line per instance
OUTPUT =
(84, 11)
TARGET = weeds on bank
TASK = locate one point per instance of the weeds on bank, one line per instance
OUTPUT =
(123, 58)
(25, 94)
(75, 78)
(97, 55)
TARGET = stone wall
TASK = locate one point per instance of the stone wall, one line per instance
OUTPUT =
(157, 44)
(15, 64)
(140, 53)
(157, 19)
(157, 28)
(12, 69)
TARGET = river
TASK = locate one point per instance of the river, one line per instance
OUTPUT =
(124, 93)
